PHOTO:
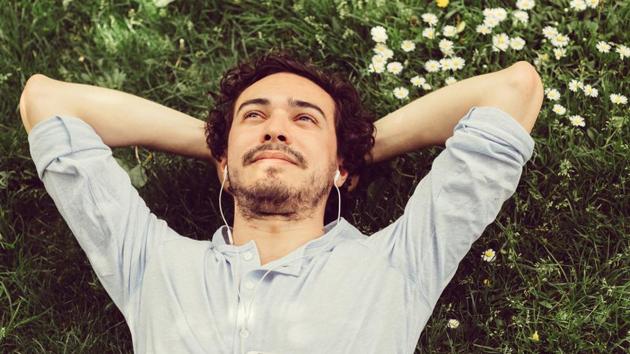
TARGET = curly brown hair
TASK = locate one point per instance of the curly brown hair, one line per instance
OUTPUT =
(353, 124)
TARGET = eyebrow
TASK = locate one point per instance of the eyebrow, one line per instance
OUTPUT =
(292, 103)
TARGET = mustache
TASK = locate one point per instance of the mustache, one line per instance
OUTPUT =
(249, 156)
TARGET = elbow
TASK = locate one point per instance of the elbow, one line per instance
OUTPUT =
(32, 85)
(525, 80)
(32, 88)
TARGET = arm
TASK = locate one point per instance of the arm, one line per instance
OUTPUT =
(68, 126)
(430, 120)
(469, 181)
(119, 118)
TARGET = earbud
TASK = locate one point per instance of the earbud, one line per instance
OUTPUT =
(337, 175)
(225, 172)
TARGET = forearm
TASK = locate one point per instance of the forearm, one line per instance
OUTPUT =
(430, 119)
(119, 118)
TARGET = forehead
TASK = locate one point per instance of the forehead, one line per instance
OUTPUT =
(279, 87)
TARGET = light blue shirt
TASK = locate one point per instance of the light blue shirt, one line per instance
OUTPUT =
(344, 292)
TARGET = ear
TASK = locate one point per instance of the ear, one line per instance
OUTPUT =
(354, 179)
(342, 171)
(220, 166)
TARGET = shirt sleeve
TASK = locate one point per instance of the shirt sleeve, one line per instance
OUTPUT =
(95, 197)
(478, 170)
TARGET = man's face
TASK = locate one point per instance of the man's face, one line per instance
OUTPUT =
(284, 114)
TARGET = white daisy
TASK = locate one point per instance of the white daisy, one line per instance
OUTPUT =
(387, 54)
(559, 109)
(517, 43)
(426, 87)
(618, 99)
(577, 5)
(407, 46)
(431, 66)
(378, 59)
(452, 323)
(525, 4)
(553, 94)
(577, 120)
(446, 64)
(559, 40)
(483, 29)
(603, 47)
(574, 85)
(559, 53)
(394, 67)
(590, 91)
(446, 47)
(498, 13)
(500, 42)
(378, 68)
(430, 18)
(491, 22)
(488, 255)
(549, 32)
(623, 51)
(450, 80)
(379, 34)
(592, 3)
(401, 93)
(380, 48)
(418, 81)
(449, 31)
(457, 63)
(521, 16)
(429, 33)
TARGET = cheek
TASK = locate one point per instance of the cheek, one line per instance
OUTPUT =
(237, 144)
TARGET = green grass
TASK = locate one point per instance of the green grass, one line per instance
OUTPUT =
(562, 240)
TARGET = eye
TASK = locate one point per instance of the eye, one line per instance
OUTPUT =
(307, 117)
(250, 114)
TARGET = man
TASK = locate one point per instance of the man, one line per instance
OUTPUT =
(279, 281)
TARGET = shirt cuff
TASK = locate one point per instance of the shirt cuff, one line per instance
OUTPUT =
(500, 124)
(58, 136)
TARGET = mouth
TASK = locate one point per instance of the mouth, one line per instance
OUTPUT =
(275, 156)
(270, 159)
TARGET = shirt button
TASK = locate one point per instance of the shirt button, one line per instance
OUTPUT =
(249, 285)
(244, 333)
(247, 256)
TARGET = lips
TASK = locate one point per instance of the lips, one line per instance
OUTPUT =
(273, 155)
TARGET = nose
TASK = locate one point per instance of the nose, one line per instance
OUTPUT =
(276, 130)
(273, 137)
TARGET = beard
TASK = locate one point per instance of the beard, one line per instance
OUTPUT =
(273, 196)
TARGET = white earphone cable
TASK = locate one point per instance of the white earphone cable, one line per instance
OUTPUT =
(220, 208)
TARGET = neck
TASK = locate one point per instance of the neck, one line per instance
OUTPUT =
(276, 235)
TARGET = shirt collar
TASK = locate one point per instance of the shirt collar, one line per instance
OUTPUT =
(291, 263)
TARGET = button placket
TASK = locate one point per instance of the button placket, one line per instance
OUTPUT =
(248, 283)
(247, 255)
(247, 286)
